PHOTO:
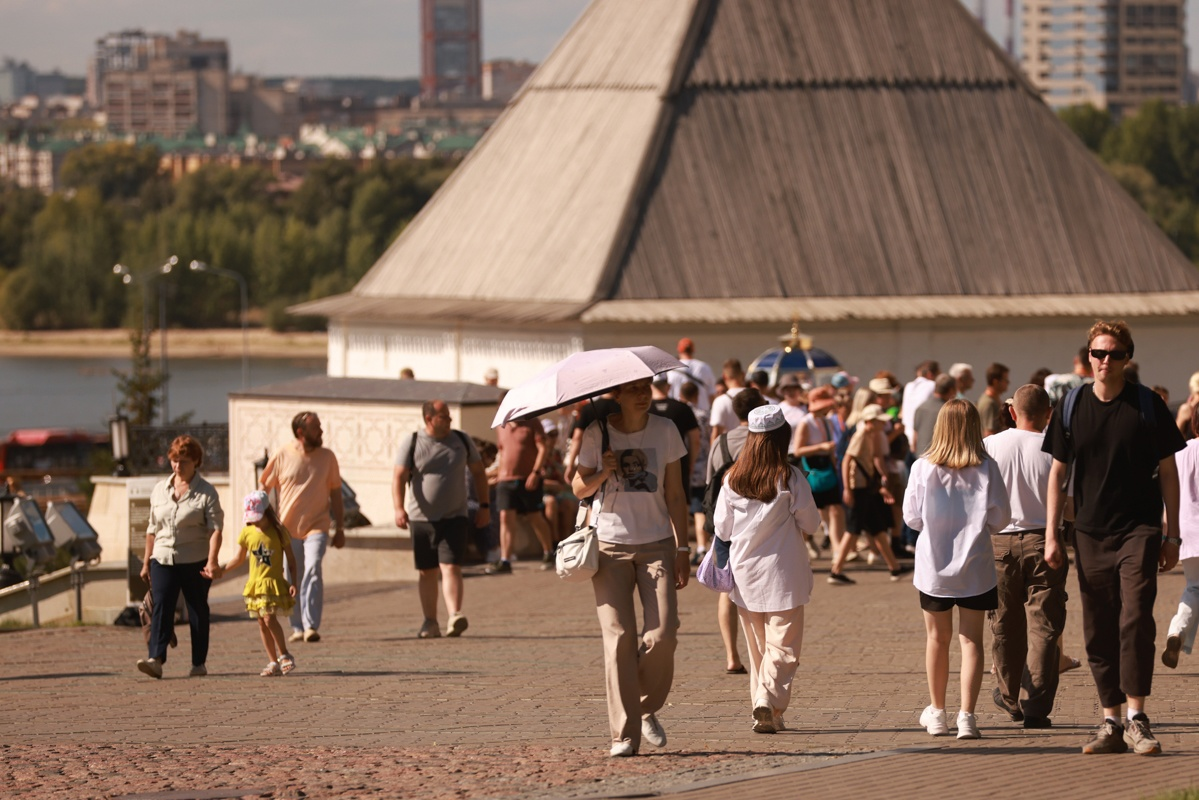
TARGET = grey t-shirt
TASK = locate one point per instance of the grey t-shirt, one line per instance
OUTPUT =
(438, 483)
(924, 421)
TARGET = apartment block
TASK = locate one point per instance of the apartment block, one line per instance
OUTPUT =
(171, 86)
(451, 48)
(1113, 54)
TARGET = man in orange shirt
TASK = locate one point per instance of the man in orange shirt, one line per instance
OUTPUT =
(308, 480)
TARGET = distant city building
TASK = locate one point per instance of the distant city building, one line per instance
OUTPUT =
(33, 165)
(503, 78)
(16, 81)
(1113, 54)
(158, 84)
(451, 47)
(266, 110)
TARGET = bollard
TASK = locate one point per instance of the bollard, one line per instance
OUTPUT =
(33, 584)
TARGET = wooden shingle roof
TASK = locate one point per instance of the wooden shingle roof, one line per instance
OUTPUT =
(785, 150)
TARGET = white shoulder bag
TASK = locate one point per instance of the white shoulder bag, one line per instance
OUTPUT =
(577, 556)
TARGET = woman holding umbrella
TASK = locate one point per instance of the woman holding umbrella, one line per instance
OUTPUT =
(631, 473)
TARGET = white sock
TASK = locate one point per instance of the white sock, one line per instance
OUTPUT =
(1132, 714)
(1113, 720)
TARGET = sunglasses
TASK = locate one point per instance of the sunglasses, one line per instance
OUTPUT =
(1116, 355)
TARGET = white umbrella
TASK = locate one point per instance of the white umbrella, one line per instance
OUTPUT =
(582, 375)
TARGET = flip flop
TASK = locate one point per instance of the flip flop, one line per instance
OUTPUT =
(737, 671)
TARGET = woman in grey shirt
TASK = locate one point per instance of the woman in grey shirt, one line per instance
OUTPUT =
(182, 543)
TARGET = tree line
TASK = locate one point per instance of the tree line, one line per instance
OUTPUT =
(57, 253)
(1154, 154)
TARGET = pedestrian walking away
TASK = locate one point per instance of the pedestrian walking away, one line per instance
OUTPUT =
(523, 456)
(763, 510)
(183, 538)
(1180, 637)
(267, 591)
(433, 463)
(957, 500)
(306, 475)
(1026, 628)
(1120, 440)
(641, 524)
(866, 493)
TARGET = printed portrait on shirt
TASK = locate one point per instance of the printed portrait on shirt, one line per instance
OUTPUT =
(638, 470)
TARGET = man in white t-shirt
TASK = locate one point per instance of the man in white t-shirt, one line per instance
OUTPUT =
(1027, 627)
(723, 419)
(696, 372)
(915, 393)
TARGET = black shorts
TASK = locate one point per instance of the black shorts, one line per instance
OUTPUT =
(830, 498)
(697, 499)
(440, 542)
(868, 514)
(513, 496)
(987, 601)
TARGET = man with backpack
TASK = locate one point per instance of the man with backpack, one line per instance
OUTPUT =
(725, 449)
(1120, 441)
(434, 461)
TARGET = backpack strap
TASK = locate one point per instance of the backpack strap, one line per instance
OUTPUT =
(411, 460)
(724, 448)
(1145, 395)
(1069, 404)
(462, 437)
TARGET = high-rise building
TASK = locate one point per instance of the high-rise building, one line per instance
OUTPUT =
(451, 49)
(159, 84)
(1113, 54)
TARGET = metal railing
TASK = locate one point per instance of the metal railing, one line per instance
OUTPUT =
(148, 446)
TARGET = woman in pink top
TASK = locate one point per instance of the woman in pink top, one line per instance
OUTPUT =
(1181, 634)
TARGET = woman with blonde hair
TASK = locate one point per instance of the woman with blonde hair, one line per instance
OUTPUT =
(763, 511)
(1186, 411)
(956, 497)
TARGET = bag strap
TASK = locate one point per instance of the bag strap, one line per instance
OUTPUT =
(411, 461)
(724, 449)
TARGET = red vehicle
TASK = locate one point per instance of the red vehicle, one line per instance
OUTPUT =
(52, 463)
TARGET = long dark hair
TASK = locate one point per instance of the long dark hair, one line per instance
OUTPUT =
(762, 465)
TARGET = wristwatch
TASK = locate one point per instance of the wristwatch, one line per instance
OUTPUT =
(1173, 540)
(684, 549)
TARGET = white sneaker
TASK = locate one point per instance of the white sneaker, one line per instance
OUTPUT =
(622, 749)
(933, 720)
(652, 731)
(296, 636)
(967, 725)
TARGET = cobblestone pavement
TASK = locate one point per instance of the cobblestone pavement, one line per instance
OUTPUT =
(515, 708)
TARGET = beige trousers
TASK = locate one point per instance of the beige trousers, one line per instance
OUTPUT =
(773, 639)
(638, 668)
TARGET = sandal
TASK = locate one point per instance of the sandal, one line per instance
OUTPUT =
(271, 670)
(286, 663)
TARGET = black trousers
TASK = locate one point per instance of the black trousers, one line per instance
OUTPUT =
(1117, 579)
(166, 582)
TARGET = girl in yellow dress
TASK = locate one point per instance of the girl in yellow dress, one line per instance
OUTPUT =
(267, 592)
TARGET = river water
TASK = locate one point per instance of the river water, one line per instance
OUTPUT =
(37, 392)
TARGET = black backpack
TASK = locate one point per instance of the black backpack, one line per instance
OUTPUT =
(712, 491)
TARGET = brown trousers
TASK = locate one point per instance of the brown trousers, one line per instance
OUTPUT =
(1117, 575)
(1027, 626)
(638, 667)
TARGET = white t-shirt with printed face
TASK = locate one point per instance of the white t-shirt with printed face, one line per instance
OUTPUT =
(634, 501)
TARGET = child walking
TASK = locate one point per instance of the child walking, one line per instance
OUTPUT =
(267, 592)
(956, 499)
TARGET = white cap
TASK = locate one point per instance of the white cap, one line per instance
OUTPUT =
(872, 411)
(766, 418)
(549, 426)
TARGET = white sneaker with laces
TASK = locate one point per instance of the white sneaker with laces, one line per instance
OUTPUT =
(652, 731)
(933, 720)
(967, 726)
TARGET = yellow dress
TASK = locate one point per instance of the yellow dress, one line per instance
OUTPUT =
(266, 589)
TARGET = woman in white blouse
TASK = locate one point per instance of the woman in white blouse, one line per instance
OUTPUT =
(956, 499)
(763, 511)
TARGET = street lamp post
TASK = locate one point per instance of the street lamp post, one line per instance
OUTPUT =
(200, 266)
(128, 277)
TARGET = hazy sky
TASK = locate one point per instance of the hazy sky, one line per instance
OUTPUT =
(310, 37)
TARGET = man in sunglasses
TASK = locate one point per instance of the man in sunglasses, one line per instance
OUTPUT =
(1120, 442)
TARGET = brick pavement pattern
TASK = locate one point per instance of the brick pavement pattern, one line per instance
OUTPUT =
(515, 708)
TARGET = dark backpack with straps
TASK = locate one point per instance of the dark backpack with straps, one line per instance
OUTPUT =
(712, 491)
(410, 461)
(1070, 404)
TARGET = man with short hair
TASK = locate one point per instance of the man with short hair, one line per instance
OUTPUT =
(945, 388)
(434, 461)
(1120, 440)
(723, 419)
(1058, 385)
(1027, 627)
(724, 453)
(695, 371)
(990, 404)
(964, 374)
(308, 480)
(522, 457)
(915, 392)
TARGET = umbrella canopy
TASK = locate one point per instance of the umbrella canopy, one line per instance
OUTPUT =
(582, 375)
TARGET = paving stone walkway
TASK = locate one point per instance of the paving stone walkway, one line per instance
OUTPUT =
(515, 708)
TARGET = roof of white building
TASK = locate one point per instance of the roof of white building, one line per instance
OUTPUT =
(686, 160)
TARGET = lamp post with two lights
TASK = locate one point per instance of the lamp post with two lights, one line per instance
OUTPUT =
(142, 279)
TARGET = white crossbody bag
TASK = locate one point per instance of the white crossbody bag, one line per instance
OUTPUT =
(577, 557)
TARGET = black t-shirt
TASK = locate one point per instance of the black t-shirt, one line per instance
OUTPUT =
(593, 410)
(1115, 458)
(684, 419)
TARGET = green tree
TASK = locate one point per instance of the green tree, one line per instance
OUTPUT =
(329, 184)
(1184, 147)
(1090, 124)
(139, 387)
(116, 170)
(1143, 140)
